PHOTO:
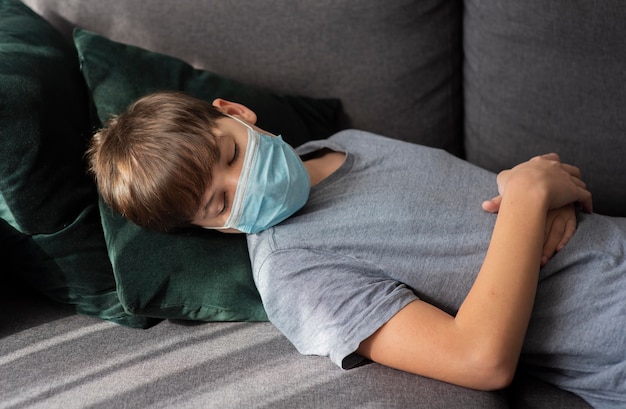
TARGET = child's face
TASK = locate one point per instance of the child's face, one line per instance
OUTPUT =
(276, 183)
(232, 140)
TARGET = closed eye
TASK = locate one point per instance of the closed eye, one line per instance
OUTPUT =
(235, 153)
(225, 204)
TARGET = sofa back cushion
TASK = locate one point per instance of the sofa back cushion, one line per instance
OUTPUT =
(549, 76)
(396, 66)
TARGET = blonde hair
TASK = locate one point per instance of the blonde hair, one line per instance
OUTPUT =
(153, 162)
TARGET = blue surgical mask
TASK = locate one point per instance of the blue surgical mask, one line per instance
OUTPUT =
(273, 185)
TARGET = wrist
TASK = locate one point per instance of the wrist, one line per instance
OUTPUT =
(526, 193)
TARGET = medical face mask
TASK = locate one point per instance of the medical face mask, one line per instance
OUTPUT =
(273, 185)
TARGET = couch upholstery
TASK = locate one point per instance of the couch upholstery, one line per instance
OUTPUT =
(495, 82)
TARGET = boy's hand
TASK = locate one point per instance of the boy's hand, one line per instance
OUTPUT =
(560, 227)
(560, 221)
(560, 181)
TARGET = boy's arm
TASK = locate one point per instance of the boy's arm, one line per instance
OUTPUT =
(560, 227)
(480, 346)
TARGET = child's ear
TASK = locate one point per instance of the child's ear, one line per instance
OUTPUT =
(235, 109)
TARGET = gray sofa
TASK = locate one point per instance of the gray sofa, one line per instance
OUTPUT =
(494, 82)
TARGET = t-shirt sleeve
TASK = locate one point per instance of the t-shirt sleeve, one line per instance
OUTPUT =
(326, 303)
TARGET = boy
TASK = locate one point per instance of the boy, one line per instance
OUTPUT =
(366, 247)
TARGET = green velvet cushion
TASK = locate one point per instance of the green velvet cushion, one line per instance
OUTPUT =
(199, 275)
(44, 191)
(195, 275)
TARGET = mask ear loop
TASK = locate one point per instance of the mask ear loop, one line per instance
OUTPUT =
(241, 121)
(237, 209)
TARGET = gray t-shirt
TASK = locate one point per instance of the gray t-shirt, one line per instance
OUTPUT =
(397, 222)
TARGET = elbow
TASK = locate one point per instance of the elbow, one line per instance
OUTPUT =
(493, 372)
(493, 379)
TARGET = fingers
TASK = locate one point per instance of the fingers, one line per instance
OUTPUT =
(583, 196)
(550, 156)
(553, 238)
(572, 170)
(586, 201)
(570, 228)
(563, 179)
(493, 205)
(560, 227)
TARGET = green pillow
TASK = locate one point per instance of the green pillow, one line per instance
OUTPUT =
(199, 274)
(45, 194)
(196, 275)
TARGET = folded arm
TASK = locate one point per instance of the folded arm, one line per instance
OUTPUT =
(480, 346)
(560, 227)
